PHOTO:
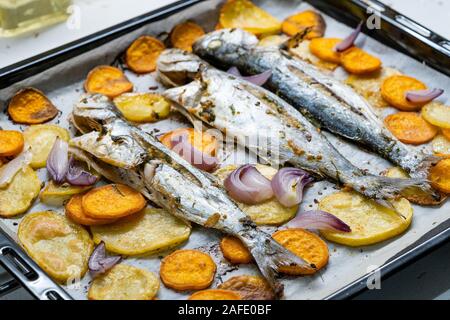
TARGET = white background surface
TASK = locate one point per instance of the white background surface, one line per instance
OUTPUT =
(426, 279)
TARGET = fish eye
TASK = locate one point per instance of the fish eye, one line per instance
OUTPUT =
(214, 44)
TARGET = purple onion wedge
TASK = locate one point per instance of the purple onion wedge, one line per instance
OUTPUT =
(319, 220)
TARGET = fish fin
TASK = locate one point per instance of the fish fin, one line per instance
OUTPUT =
(270, 255)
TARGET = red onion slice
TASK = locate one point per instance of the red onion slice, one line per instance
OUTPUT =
(320, 220)
(9, 170)
(423, 96)
(58, 161)
(257, 79)
(197, 158)
(99, 263)
(247, 185)
(288, 185)
(350, 40)
(76, 176)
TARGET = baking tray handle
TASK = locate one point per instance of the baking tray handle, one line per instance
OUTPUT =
(27, 273)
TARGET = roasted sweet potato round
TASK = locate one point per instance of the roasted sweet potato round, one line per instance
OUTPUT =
(410, 127)
(307, 245)
(185, 34)
(200, 140)
(357, 61)
(142, 54)
(215, 294)
(440, 176)
(323, 48)
(31, 106)
(74, 211)
(306, 20)
(187, 270)
(124, 282)
(107, 80)
(394, 88)
(112, 201)
(249, 287)
(11, 143)
(234, 250)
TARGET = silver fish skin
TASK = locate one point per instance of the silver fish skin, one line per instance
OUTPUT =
(327, 102)
(268, 126)
(168, 180)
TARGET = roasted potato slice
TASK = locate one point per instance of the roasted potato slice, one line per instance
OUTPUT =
(357, 61)
(19, 194)
(441, 145)
(410, 128)
(394, 88)
(323, 48)
(243, 14)
(215, 294)
(270, 212)
(60, 247)
(148, 232)
(370, 222)
(31, 106)
(306, 245)
(143, 107)
(56, 195)
(187, 270)
(74, 211)
(413, 194)
(11, 143)
(308, 20)
(142, 54)
(185, 34)
(249, 287)
(234, 250)
(41, 139)
(369, 85)
(112, 201)
(440, 176)
(107, 80)
(437, 114)
(124, 282)
(273, 41)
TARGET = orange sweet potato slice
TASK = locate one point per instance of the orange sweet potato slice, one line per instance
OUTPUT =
(11, 143)
(185, 34)
(323, 48)
(187, 270)
(357, 61)
(307, 245)
(308, 20)
(446, 133)
(142, 54)
(112, 201)
(394, 88)
(107, 80)
(234, 250)
(249, 287)
(200, 140)
(74, 211)
(215, 294)
(31, 106)
(440, 176)
(410, 127)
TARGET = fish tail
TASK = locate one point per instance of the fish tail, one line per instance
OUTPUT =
(422, 170)
(270, 255)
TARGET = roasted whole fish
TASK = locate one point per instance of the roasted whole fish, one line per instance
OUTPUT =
(123, 153)
(265, 124)
(325, 101)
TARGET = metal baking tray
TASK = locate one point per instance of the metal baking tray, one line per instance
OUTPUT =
(397, 31)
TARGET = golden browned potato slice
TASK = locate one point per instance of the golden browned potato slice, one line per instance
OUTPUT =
(60, 247)
(437, 114)
(56, 195)
(19, 194)
(142, 107)
(370, 222)
(41, 139)
(124, 282)
(301, 51)
(270, 212)
(273, 41)
(369, 86)
(148, 232)
(441, 145)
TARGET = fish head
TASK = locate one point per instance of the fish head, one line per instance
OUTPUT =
(176, 67)
(92, 111)
(226, 45)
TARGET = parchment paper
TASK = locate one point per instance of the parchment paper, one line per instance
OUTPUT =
(64, 84)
